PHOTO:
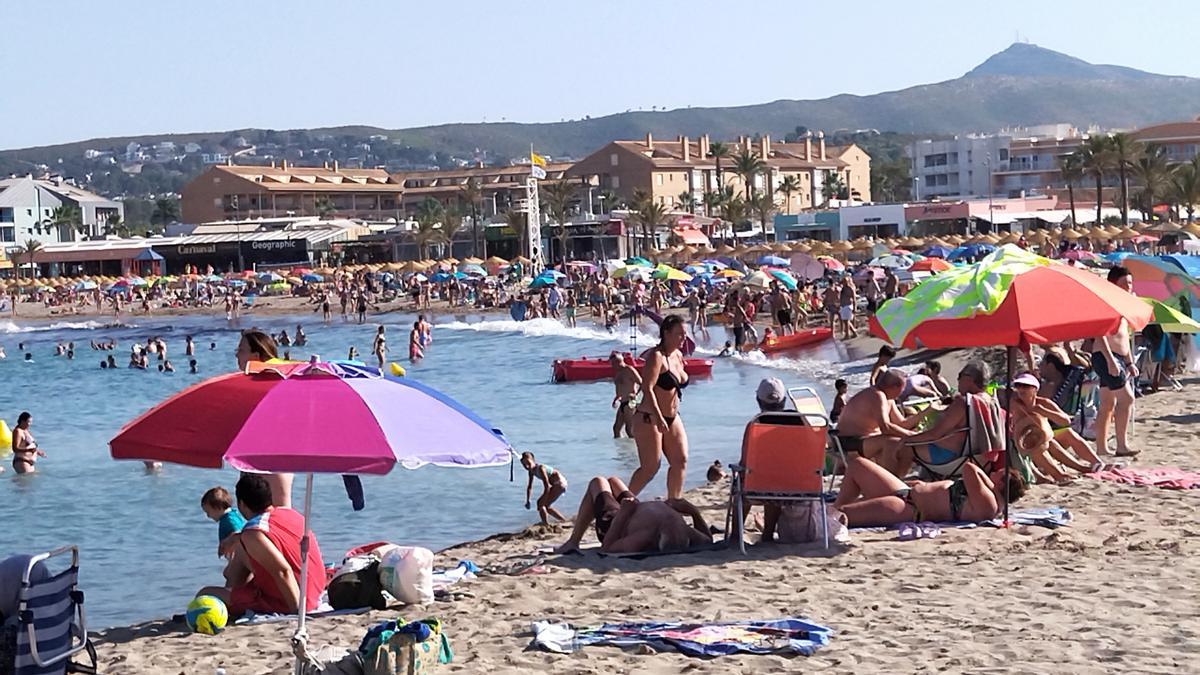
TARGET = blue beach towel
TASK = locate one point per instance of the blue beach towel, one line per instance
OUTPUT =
(774, 636)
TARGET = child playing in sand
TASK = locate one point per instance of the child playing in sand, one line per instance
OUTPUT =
(218, 506)
(554, 484)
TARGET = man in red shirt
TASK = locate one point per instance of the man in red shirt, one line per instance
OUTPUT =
(264, 575)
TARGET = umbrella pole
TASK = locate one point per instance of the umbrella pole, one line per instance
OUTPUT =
(1009, 439)
(300, 638)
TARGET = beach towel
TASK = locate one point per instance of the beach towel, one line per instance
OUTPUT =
(1050, 517)
(986, 422)
(443, 579)
(773, 636)
(1167, 477)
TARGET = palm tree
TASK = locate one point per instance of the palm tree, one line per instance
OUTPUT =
(115, 225)
(833, 186)
(764, 207)
(428, 216)
(687, 201)
(1096, 160)
(733, 212)
(324, 208)
(1153, 173)
(649, 214)
(166, 211)
(610, 200)
(471, 193)
(31, 247)
(518, 222)
(1185, 186)
(719, 151)
(712, 202)
(452, 221)
(558, 198)
(67, 218)
(789, 186)
(748, 165)
(1072, 173)
(1124, 153)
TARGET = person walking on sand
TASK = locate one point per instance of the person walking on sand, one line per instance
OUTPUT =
(1113, 363)
(554, 484)
(846, 298)
(657, 426)
(379, 347)
(627, 382)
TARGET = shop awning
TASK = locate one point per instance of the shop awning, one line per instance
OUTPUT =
(691, 236)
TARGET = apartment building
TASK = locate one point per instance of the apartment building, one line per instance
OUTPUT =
(500, 187)
(27, 207)
(229, 191)
(1180, 141)
(672, 171)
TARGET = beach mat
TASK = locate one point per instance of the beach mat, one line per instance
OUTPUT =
(595, 548)
(703, 639)
(323, 610)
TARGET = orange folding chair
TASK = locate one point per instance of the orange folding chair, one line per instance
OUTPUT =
(783, 460)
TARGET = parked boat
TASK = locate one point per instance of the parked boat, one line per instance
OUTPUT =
(801, 338)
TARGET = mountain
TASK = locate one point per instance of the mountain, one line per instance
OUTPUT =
(1022, 85)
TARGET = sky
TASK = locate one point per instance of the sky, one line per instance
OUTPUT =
(79, 69)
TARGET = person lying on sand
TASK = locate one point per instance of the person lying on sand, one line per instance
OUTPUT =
(871, 496)
(625, 525)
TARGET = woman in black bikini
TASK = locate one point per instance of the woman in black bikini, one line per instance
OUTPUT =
(657, 428)
(25, 449)
(871, 496)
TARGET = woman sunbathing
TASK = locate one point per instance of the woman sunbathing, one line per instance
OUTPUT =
(1034, 419)
(871, 496)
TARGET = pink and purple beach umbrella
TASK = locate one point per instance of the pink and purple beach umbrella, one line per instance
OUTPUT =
(311, 418)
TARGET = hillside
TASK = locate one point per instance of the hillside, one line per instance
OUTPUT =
(1022, 85)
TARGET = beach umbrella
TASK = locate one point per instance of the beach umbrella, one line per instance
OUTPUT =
(1160, 279)
(639, 262)
(896, 262)
(312, 278)
(729, 273)
(937, 252)
(804, 266)
(669, 273)
(1010, 298)
(931, 265)
(269, 277)
(758, 279)
(831, 264)
(522, 260)
(635, 272)
(441, 277)
(473, 269)
(1190, 264)
(864, 273)
(136, 281)
(1171, 320)
(1080, 255)
(1144, 239)
(85, 285)
(773, 260)
(788, 281)
(274, 418)
(801, 247)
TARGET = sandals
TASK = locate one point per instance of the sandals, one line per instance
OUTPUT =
(922, 530)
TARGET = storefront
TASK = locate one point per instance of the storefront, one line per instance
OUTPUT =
(821, 225)
(876, 220)
(937, 218)
(229, 253)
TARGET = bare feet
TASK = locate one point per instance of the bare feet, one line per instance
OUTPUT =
(568, 547)
(1126, 452)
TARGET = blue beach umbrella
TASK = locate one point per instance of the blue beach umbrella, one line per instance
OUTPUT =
(784, 278)
(312, 278)
(937, 252)
(639, 262)
(773, 260)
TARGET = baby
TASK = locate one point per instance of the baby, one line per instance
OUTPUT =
(218, 506)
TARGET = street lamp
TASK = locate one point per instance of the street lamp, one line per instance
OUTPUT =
(916, 188)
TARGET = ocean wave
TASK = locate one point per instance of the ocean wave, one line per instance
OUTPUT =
(549, 328)
(8, 327)
(855, 373)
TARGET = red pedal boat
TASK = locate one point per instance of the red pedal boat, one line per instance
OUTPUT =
(801, 338)
(586, 369)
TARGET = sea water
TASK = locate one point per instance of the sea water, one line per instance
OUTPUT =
(145, 544)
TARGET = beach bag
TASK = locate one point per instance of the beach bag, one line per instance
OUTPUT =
(407, 573)
(356, 584)
(801, 524)
(405, 652)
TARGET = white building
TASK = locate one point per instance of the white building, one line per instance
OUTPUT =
(874, 220)
(967, 166)
(27, 210)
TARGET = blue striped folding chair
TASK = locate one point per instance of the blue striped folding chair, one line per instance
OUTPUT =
(50, 622)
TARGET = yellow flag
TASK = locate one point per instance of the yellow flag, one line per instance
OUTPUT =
(537, 159)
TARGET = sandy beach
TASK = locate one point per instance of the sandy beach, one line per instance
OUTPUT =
(1112, 592)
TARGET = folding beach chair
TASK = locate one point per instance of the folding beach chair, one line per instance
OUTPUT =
(783, 460)
(977, 447)
(49, 624)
